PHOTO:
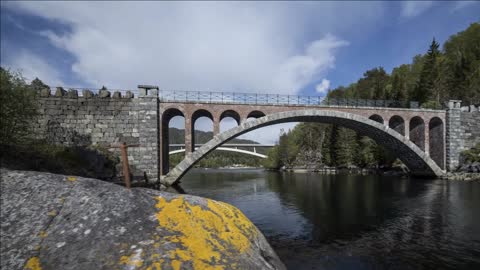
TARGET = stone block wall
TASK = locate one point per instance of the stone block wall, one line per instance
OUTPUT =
(471, 124)
(103, 120)
(463, 131)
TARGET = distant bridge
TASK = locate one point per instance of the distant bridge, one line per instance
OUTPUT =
(252, 153)
(230, 147)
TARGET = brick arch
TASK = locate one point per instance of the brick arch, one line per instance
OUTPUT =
(437, 141)
(167, 115)
(230, 113)
(255, 114)
(417, 161)
(201, 113)
(397, 123)
(376, 118)
(417, 131)
(195, 115)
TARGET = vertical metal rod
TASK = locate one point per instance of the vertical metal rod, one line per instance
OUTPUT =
(126, 170)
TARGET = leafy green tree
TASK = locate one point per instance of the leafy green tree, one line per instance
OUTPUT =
(18, 108)
(373, 84)
(37, 84)
(462, 54)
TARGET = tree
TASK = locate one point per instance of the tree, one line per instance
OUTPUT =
(345, 147)
(37, 84)
(462, 61)
(425, 89)
(18, 107)
(373, 84)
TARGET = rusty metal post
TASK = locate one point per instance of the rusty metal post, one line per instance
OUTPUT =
(126, 169)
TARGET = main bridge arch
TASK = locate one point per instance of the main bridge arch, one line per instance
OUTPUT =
(418, 162)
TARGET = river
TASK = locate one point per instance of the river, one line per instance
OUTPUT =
(316, 221)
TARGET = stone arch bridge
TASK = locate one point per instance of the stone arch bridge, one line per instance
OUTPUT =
(416, 135)
(428, 141)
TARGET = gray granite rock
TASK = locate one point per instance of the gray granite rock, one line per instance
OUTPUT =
(52, 221)
(104, 93)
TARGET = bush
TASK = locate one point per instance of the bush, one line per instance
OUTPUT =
(472, 155)
(18, 108)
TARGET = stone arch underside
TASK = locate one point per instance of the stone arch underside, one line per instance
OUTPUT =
(415, 159)
(437, 141)
(165, 124)
(232, 114)
(195, 116)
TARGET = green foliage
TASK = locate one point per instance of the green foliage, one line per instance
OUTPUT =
(217, 159)
(273, 159)
(431, 79)
(472, 155)
(92, 161)
(37, 84)
(345, 147)
(18, 108)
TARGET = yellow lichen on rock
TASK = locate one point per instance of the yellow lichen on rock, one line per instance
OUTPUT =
(72, 178)
(33, 264)
(176, 264)
(132, 260)
(42, 234)
(205, 234)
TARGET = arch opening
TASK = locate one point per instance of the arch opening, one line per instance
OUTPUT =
(170, 115)
(417, 132)
(376, 118)
(202, 127)
(231, 114)
(398, 124)
(416, 160)
(437, 141)
(255, 114)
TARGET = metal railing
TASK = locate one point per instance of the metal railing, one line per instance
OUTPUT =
(275, 99)
(259, 99)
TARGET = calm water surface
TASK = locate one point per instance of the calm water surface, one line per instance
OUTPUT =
(318, 221)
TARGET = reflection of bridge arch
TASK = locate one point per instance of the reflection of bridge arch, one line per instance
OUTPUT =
(411, 155)
(228, 149)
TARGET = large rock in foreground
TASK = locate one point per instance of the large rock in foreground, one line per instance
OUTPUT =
(51, 221)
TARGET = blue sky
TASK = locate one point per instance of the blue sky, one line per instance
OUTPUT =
(263, 47)
(45, 40)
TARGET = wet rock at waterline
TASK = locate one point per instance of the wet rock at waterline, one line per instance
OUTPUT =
(52, 221)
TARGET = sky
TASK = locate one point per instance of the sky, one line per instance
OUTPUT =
(298, 48)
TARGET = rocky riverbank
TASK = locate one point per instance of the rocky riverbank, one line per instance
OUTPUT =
(52, 221)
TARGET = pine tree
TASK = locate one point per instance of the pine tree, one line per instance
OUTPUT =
(345, 147)
(425, 89)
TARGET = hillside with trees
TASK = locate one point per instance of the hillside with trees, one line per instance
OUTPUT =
(431, 79)
(216, 158)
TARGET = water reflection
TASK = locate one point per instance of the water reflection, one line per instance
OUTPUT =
(351, 222)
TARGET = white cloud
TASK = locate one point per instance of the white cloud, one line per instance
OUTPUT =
(415, 8)
(323, 86)
(299, 70)
(32, 66)
(273, 47)
(227, 46)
